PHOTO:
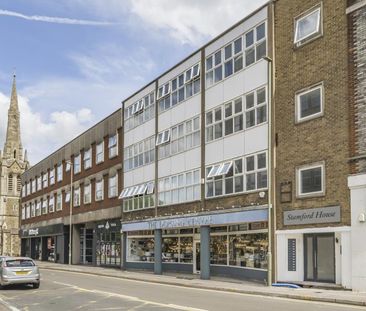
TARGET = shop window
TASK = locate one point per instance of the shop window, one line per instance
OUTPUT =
(140, 249)
(218, 250)
(170, 249)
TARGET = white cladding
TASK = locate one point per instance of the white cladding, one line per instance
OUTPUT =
(139, 175)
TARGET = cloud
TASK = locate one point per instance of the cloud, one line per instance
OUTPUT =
(41, 136)
(56, 20)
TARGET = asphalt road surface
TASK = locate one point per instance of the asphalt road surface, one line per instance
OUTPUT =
(68, 291)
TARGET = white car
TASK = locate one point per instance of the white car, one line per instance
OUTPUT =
(19, 270)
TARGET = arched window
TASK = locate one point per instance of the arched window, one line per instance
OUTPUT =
(10, 182)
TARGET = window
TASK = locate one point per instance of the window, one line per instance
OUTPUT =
(214, 68)
(33, 209)
(138, 197)
(76, 197)
(87, 159)
(231, 121)
(112, 146)
(45, 180)
(184, 136)
(99, 157)
(255, 44)
(87, 194)
(163, 137)
(139, 154)
(23, 191)
(23, 213)
(255, 108)
(240, 175)
(99, 190)
(67, 197)
(10, 182)
(308, 26)
(28, 186)
(77, 166)
(51, 204)
(44, 206)
(140, 112)
(112, 186)
(59, 172)
(309, 104)
(52, 176)
(311, 180)
(59, 202)
(33, 186)
(38, 208)
(68, 166)
(179, 188)
(28, 211)
(39, 183)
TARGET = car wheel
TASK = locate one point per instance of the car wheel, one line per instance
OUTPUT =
(36, 285)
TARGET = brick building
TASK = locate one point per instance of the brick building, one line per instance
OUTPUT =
(84, 176)
(13, 162)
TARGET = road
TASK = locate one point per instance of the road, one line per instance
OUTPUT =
(67, 291)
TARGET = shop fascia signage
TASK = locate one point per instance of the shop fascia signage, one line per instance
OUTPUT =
(107, 225)
(33, 231)
(312, 216)
(180, 222)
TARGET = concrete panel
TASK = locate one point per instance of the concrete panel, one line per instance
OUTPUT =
(255, 76)
(214, 152)
(139, 175)
(233, 146)
(139, 133)
(214, 96)
(256, 139)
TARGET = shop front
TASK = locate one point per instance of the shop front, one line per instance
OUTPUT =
(232, 243)
(317, 252)
(49, 243)
(108, 243)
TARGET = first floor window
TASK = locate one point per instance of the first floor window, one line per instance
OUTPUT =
(99, 153)
(310, 180)
(87, 194)
(59, 202)
(51, 204)
(309, 103)
(99, 190)
(112, 186)
(112, 146)
(77, 197)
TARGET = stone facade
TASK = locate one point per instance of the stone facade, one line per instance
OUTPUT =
(12, 164)
(325, 138)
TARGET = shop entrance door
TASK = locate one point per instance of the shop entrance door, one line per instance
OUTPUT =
(196, 257)
(319, 257)
(86, 246)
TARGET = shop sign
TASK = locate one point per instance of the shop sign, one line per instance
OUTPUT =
(180, 222)
(33, 231)
(312, 216)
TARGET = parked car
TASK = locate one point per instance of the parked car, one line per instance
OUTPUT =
(19, 270)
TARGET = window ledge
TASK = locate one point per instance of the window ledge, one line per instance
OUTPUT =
(298, 45)
(310, 195)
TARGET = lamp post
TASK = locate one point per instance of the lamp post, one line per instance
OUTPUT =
(2, 236)
(69, 162)
(270, 156)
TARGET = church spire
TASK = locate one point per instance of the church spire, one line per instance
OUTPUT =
(13, 145)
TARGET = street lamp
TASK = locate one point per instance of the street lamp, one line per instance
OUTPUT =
(69, 162)
(270, 156)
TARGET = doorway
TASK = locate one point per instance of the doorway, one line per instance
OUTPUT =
(319, 257)
(196, 257)
(86, 246)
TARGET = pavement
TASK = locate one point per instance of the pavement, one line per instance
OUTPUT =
(344, 297)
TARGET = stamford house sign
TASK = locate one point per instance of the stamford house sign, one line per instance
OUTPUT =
(312, 216)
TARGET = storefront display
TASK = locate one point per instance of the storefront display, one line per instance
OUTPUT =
(51, 249)
(108, 248)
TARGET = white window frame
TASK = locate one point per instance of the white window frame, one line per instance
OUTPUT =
(101, 190)
(114, 187)
(298, 95)
(76, 196)
(87, 158)
(33, 209)
(299, 181)
(51, 204)
(313, 35)
(99, 156)
(59, 172)
(256, 106)
(163, 137)
(52, 176)
(59, 202)
(67, 196)
(33, 185)
(164, 90)
(45, 180)
(87, 194)
(113, 146)
(77, 164)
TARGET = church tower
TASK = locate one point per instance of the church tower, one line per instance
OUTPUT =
(12, 164)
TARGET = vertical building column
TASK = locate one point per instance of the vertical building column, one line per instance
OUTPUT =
(205, 252)
(157, 251)
(124, 250)
(94, 245)
(75, 245)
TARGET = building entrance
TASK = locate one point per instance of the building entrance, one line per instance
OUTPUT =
(196, 257)
(319, 257)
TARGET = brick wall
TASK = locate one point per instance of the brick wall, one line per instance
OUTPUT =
(322, 139)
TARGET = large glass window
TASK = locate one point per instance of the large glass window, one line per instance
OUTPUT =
(218, 250)
(108, 248)
(255, 44)
(170, 249)
(179, 188)
(140, 249)
(139, 154)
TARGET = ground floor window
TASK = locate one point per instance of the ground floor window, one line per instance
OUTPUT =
(51, 247)
(141, 249)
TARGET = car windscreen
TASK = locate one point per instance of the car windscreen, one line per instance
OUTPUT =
(19, 263)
